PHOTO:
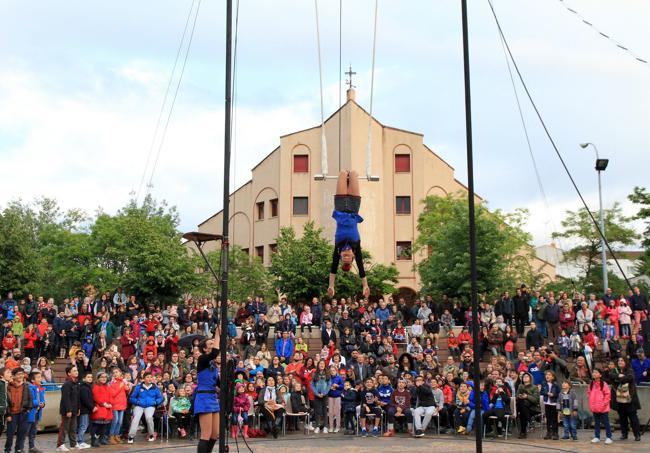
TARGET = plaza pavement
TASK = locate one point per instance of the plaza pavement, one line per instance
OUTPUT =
(336, 443)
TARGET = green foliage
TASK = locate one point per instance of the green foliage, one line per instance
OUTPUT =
(503, 249)
(56, 254)
(641, 197)
(586, 254)
(247, 276)
(301, 268)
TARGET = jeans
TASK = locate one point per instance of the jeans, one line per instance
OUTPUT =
(17, 427)
(116, 423)
(31, 434)
(570, 424)
(427, 412)
(84, 423)
(138, 411)
(541, 326)
(470, 420)
(602, 418)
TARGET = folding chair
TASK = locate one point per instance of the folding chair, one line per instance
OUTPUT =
(289, 413)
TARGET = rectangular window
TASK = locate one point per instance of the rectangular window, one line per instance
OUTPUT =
(402, 163)
(260, 210)
(274, 207)
(259, 252)
(300, 205)
(300, 163)
(273, 248)
(403, 251)
(402, 205)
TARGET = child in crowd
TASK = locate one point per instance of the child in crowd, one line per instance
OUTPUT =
(568, 407)
(600, 397)
(240, 407)
(349, 401)
(369, 408)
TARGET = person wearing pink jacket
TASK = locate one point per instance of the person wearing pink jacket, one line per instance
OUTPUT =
(600, 397)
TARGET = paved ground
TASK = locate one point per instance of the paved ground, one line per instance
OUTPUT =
(335, 443)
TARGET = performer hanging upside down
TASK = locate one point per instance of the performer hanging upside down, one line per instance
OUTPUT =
(206, 396)
(347, 242)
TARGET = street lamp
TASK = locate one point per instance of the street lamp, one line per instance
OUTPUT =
(601, 165)
(199, 239)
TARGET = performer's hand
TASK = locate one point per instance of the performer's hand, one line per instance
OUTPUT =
(366, 291)
(330, 291)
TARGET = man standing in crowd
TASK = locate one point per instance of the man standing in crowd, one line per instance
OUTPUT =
(522, 306)
(69, 409)
(639, 307)
(552, 314)
(19, 400)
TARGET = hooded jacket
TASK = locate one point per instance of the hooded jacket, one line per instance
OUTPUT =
(146, 397)
(599, 397)
(102, 395)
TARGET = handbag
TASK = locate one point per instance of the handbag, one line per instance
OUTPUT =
(623, 394)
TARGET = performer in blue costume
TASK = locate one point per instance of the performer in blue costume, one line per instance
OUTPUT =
(206, 396)
(347, 241)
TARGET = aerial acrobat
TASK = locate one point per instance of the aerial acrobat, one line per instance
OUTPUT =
(347, 241)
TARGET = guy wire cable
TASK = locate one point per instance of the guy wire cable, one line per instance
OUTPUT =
(164, 103)
(171, 108)
(233, 124)
(555, 148)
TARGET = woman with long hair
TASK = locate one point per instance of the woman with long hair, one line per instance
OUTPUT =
(625, 399)
(272, 406)
(206, 396)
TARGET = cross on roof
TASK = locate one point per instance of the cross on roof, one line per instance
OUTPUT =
(349, 81)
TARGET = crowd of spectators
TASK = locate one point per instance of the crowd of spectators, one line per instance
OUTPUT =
(381, 367)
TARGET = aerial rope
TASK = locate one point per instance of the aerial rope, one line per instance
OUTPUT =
(323, 140)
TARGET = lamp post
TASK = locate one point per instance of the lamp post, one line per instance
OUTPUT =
(601, 165)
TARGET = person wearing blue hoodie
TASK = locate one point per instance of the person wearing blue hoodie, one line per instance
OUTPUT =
(145, 398)
(485, 403)
(385, 392)
(334, 400)
(284, 347)
(36, 412)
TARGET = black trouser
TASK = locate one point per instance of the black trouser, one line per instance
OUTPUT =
(17, 427)
(320, 412)
(628, 416)
(552, 424)
(524, 414)
(520, 323)
(348, 419)
(460, 419)
(507, 319)
(99, 432)
(183, 421)
(272, 422)
(500, 414)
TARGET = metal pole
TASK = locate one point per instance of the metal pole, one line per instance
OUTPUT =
(472, 233)
(603, 250)
(224, 384)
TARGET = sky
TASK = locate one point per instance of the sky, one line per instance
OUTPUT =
(82, 84)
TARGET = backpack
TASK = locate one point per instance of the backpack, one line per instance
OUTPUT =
(623, 394)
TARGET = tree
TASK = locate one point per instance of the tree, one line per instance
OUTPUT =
(500, 240)
(140, 248)
(302, 266)
(586, 254)
(642, 198)
(247, 276)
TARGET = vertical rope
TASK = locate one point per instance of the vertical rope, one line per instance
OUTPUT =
(372, 90)
(323, 141)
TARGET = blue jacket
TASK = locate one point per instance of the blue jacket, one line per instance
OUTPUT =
(349, 400)
(382, 314)
(385, 392)
(282, 349)
(146, 397)
(485, 401)
(38, 396)
(639, 367)
(544, 393)
(338, 391)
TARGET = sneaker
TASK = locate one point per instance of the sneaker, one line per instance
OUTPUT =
(375, 432)
(609, 441)
(151, 438)
(82, 446)
(364, 432)
(183, 432)
(575, 438)
(62, 448)
(129, 440)
(316, 430)
(310, 427)
(389, 433)
(336, 430)
(595, 440)
(325, 430)
(419, 433)
(566, 438)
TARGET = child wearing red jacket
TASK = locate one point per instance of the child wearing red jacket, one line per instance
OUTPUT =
(119, 391)
(102, 413)
(240, 406)
(600, 397)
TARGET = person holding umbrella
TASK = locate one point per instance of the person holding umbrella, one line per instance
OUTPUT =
(206, 396)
